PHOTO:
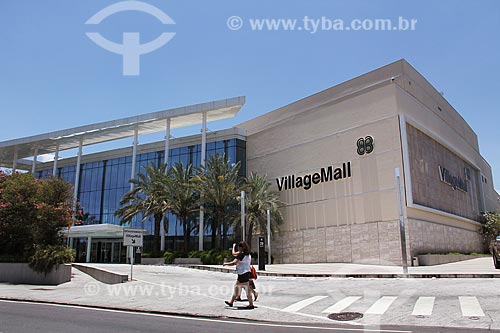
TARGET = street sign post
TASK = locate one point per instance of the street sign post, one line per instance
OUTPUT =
(133, 238)
(401, 221)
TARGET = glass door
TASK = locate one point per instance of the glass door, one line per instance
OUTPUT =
(106, 252)
(115, 252)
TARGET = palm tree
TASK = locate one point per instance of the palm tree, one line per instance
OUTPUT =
(147, 198)
(219, 186)
(182, 197)
(260, 198)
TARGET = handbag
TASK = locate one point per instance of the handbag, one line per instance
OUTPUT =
(254, 272)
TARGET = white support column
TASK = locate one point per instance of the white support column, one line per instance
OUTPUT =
(167, 141)
(202, 163)
(203, 139)
(165, 160)
(130, 249)
(243, 227)
(56, 157)
(134, 154)
(35, 157)
(77, 173)
(89, 249)
(14, 162)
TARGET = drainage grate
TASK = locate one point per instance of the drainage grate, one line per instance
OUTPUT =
(345, 316)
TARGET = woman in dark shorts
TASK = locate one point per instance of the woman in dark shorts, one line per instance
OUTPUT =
(242, 262)
(251, 282)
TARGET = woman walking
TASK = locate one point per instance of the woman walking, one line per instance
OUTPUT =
(251, 282)
(242, 262)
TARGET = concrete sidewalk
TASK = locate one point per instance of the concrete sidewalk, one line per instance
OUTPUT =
(169, 289)
(474, 268)
(155, 289)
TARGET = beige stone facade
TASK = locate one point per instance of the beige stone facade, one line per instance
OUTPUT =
(356, 218)
(434, 169)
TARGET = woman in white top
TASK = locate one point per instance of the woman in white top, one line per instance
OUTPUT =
(251, 282)
(242, 262)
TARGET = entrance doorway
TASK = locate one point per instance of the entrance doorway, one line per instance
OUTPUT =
(108, 251)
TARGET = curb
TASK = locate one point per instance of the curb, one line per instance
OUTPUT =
(157, 312)
(102, 275)
(360, 275)
(114, 308)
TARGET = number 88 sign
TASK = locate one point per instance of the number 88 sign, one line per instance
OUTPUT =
(365, 145)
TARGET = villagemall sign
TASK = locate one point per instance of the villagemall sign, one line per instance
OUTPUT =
(324, 175)
(456, 182)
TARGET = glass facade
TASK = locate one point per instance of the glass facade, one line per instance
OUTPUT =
(103, 183)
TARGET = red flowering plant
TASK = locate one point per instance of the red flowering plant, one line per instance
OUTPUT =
(32, 214)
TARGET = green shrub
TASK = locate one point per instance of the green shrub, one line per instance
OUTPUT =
(158, 254)
(219, 257)
(208, 257)
(490, 228)
(32, 214)
(211, 257)
(170, 256)
(195, 254)
(47, 257)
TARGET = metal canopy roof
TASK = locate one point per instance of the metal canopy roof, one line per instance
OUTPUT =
(98, 231)
(117, 129)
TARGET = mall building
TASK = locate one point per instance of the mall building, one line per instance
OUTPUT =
(332, 156)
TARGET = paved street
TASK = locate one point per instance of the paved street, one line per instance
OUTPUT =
(66, 318)
(435, 302)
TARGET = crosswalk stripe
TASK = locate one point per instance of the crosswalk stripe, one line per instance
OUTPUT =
(470, 307)
(302, 304)
(424, 306)
(381, 306)
(341, 305)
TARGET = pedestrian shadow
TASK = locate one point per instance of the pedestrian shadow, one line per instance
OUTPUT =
(240, 308)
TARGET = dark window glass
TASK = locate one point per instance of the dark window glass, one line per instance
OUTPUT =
(210, 153)
(113, 179)
(175, 159)
(184, 159)
(231, 155)
(196, 160)
(241, 156)
(120, 174)
(127, 175)
(241, 143)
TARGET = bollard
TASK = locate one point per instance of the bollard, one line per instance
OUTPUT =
(262, 254)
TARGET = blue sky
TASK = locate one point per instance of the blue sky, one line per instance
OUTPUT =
(52, 76)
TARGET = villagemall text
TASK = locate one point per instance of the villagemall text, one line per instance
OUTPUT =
(325, 175)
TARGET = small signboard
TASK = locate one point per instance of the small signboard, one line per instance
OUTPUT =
(132, 237)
